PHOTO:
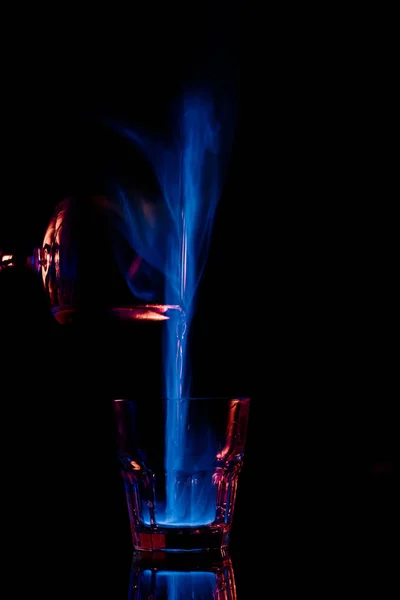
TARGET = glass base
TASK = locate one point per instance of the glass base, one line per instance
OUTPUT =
(201, 539)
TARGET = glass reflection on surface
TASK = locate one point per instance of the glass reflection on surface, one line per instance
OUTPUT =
(180, 578)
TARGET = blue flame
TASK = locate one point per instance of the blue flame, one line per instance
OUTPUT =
(173, 236)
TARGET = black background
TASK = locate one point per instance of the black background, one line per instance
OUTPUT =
(296, 304)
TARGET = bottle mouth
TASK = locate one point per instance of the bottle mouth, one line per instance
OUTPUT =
(7, 260)
(145, 312)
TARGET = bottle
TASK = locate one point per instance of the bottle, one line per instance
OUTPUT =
(105, 295)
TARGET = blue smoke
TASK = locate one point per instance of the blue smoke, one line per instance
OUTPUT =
(172, 236)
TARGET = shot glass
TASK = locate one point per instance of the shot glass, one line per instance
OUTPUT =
(180, 463)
